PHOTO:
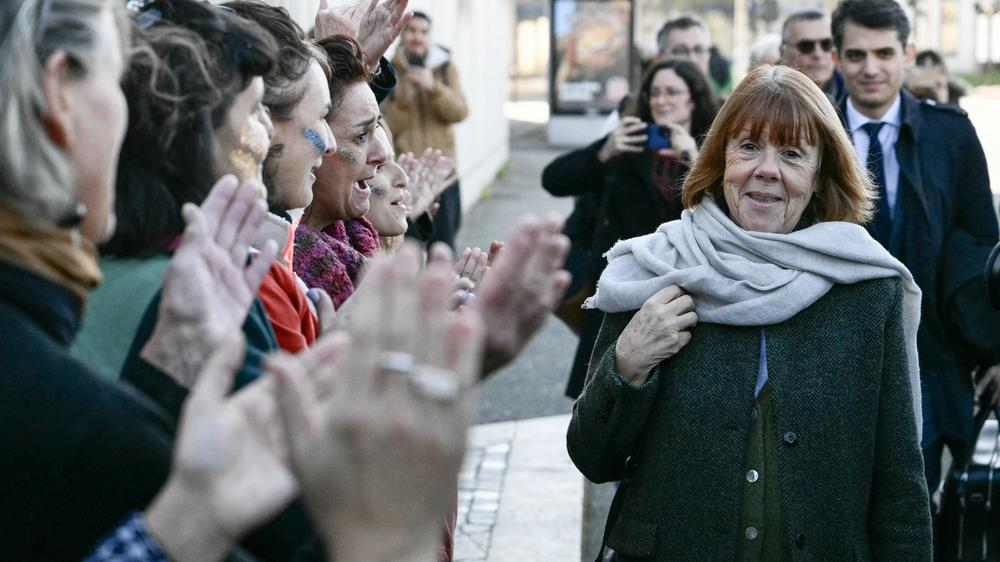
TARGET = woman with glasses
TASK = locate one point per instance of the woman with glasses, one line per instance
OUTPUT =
(629, 182)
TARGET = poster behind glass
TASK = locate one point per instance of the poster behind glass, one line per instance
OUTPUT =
(591, 54)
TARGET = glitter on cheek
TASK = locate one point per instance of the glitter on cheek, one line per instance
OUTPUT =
(247, 158)
(349, 155)
(313, 137)
(254, 141)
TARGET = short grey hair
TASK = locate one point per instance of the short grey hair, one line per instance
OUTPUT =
(37, 178)
(805, 15)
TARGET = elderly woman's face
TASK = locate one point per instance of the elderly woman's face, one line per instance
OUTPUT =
(341, 190)
(389, 194)
(767, 187)
(99, 116)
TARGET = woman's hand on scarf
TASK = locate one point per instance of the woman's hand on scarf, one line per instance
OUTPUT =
(211, 281)
(377, 433)
(628, 137)
(229, 472)
(657, 332)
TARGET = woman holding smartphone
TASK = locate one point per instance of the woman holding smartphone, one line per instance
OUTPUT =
(627, 182)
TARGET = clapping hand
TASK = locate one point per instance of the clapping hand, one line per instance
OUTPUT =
(375, 26)
(376, 441)
(229, 472)
(209, 286)
(524, 284)
(429, 176)
(473, 263)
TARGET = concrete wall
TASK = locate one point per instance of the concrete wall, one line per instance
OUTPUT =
(479, 35)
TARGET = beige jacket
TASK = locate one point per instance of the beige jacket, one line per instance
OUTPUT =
(420, 119)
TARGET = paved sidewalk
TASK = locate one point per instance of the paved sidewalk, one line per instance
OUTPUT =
(520, 498)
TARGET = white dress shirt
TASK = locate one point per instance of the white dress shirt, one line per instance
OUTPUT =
(888, 136)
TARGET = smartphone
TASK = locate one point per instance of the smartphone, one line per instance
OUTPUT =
(657, 137)
(414, 59)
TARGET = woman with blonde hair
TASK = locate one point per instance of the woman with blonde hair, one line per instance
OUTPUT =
(757, 361)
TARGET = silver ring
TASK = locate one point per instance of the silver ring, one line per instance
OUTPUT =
(396, 362)
(435, 384)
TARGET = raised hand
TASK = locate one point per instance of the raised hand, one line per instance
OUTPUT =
(523, 286)
(376, 441)
(429, 175)
(658, 331)
(229, 472)
(380, 25)
(471, 265)
(375, 25)
(209, 286)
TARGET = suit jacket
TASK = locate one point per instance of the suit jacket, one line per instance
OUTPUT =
(850, 471)
(618, 200)
(944, 213)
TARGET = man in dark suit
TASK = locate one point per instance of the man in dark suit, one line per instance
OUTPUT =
(935, 210)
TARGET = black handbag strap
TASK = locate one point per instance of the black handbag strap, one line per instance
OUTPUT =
(616, 505)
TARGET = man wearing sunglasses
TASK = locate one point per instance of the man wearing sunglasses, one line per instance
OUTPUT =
(807, 46)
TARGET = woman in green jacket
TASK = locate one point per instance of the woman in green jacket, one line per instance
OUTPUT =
(757, 362)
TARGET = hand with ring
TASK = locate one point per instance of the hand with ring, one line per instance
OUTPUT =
(396, 392)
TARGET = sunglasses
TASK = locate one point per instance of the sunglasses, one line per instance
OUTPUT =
(806, 46)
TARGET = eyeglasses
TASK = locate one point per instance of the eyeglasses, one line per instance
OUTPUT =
(806, 46)
(655, 93)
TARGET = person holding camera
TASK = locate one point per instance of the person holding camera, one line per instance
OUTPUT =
(427, 101)
(629, 182)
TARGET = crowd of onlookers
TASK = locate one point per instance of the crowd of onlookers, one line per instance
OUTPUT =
(234, 325)
(219, 341)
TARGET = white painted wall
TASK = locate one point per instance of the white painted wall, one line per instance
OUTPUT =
(479, 34)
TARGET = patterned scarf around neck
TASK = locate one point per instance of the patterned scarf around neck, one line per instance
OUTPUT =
(332, 259)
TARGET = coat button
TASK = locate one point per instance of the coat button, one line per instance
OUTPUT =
(800, 540)
(752, 476)
(790, 437)
(751, 533)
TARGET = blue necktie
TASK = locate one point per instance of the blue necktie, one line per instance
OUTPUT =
(881, 225)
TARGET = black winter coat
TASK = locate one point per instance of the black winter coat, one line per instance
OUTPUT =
(944, 228)
(79, 453)
(617, 200)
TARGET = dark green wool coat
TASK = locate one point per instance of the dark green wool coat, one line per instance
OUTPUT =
(849, 464)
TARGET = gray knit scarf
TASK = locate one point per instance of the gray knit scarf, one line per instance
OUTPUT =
(744, 278)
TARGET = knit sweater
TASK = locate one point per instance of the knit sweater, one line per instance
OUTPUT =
(849, 464)
(332, 258)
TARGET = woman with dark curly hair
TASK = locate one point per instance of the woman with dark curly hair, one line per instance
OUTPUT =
(627, 186)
